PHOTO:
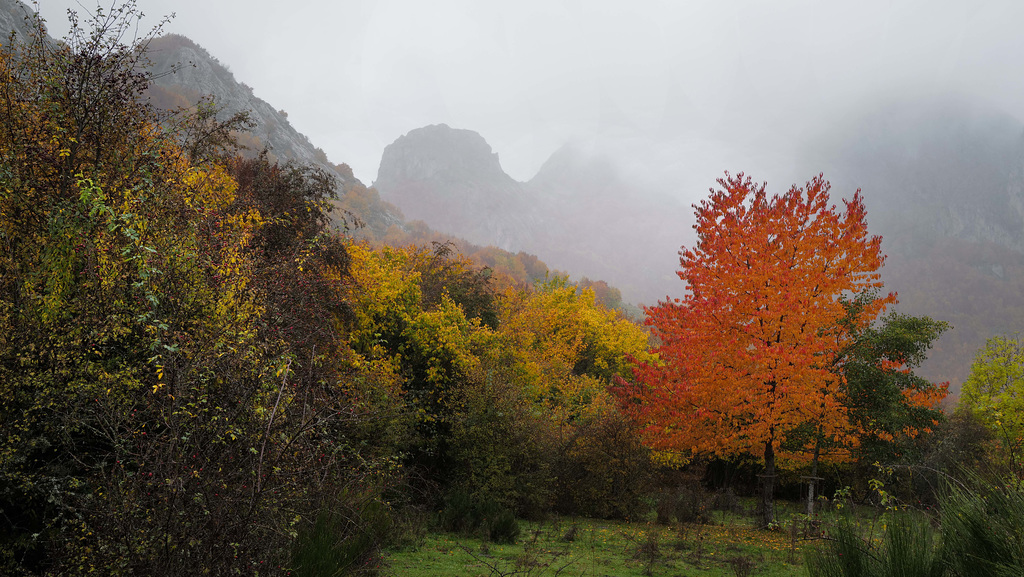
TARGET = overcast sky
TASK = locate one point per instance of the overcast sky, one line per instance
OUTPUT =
(678, 91)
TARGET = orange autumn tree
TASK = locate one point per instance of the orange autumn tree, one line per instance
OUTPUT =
(746, 356)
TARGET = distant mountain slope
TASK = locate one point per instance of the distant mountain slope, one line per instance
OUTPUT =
(944, 186)
(938, 170)
(577, 213)
(183, 72)
(451, 180)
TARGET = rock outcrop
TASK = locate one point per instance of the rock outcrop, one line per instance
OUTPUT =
(15, 18)
(183, 72)
(451, 180)
(577, 214)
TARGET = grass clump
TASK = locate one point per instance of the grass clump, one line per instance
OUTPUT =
(983, 530)
(462, 514)
(982, 535)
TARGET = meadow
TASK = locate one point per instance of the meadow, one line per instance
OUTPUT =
(727, 545)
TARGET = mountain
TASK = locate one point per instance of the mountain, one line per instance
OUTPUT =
(943, 181)
(16, 19)
(577, 213)
(451, 180)
(184, 72)
(942, 169)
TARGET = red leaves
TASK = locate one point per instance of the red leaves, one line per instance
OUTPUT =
(746, 355)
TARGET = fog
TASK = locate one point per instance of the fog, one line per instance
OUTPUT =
(677, 92)
(919, 102)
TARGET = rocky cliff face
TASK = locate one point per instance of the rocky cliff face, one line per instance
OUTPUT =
(183, 72)
(15, 18)
(452, 180)
(577, 213)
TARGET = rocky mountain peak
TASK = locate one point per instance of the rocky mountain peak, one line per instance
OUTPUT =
(580, 169)
(452, 180)
(441, 154)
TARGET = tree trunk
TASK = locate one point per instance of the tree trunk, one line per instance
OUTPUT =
(768, 486)
(813, 481)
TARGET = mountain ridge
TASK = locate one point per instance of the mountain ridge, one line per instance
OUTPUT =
(943, 182)
(574, 213)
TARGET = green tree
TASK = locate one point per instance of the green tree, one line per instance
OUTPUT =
(887, 401)
(995, 393)
(889, 406)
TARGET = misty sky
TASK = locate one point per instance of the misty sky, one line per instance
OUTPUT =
(677, 91)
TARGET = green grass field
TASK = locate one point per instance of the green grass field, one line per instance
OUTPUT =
(587, 547)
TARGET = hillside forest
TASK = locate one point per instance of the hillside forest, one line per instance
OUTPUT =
(212, 363)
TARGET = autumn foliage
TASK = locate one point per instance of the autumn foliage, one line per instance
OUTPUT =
(203, 370)
(747, 355)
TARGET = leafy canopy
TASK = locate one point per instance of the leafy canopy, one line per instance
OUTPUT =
(746, 356)
(995, 392)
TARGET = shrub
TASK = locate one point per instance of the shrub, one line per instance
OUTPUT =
(665, 508)
(726, 500)
(693, 505)
(500, 448)
(603, 470)
(504, 527)
(463, 514)
(456, 516)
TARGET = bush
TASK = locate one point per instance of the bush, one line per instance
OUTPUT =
(665, 508)
(500, 448)
(504, 527)
(693, 506)
(726, 500)
(603, 470)
(456, 516)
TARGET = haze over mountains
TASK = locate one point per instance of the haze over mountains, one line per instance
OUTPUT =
(943, 181)
(578, 214)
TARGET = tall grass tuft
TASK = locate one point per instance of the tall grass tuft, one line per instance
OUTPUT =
(983, 530)
(982, 536)
(909, 548)
(846, 554)
(338, 545)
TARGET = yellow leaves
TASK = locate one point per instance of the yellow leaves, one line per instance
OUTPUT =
(209, 188)
(564, 348)
(670, 459)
